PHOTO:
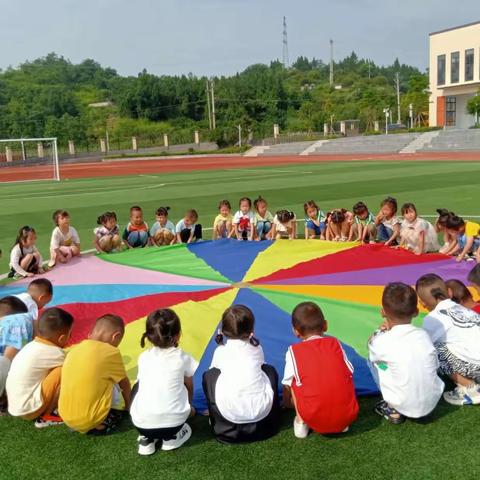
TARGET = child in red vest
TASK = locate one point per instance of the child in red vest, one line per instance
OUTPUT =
(318, 379)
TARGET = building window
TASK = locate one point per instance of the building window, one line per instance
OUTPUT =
(451, 112)
(441, 70)
(469, 61)
(455, 67)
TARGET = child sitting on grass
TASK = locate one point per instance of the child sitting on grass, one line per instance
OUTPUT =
(459, 293)
(89, 377)
(162, 396)
(39, 293)
(466, 238)
(284, 225)
(223, 223)
(318, 378)
(403, 360)
(441, 227)
(363, 228)
(25, 259)
(339, 225)
(387, 223)
(136, 234)
(187, 229)
(416, 234)
(244, 220)
(474, 277)
(241, 390)
(455, 332)
(107, 236)
(65, 242)
(263, 219)
(33, 382)
(163, 230)
(315, 221)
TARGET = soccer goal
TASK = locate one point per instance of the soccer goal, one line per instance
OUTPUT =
(28, 159)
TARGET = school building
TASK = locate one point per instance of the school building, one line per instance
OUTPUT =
(454, 74)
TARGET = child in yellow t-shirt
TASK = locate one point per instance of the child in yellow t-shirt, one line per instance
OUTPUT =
(222, 225)
(467, 236)
(89, 377)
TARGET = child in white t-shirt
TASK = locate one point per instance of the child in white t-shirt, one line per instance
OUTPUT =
(65, 242)
(244, 220)
(25, 259)
(38, 294)
(403, 360)
(163, 230)
(162, 396)
(387, 222)
(455, 332)
(284, 225)
(417, 235)
(241, 389)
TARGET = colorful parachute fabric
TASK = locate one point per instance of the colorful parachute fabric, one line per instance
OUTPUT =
(199, 281)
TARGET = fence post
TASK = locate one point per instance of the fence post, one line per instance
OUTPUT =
(165, 140)
(376, 126)
(9, 154)
(197, 138)
(276, 131)
(134, 144)
(325, 129)
(40, 152)
(103, 146)
(71, 147)
(343, 129)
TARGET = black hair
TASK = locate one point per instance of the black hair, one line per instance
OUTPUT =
(224, 203)
(135, 208)
(285, 216)
(460, 292)
(54, 321)
(359, 207)
(392, 202)
(11, 305)
(237, 324)
(113, 321)
(42, 285)
(310, 204)
(400, 300)
(102, 219)
(454, 222)
(474, 275)
(22, 235)
(408, 206)
(162, 211)
(59, 213)
(245, 199)
(308, 319)
(443, 216)
(162, 329)
(438, 289)
(337, 216)
(258, 200)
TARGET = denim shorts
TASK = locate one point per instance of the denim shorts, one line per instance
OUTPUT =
(318, 229)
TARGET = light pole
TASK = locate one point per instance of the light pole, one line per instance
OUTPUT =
(386, 112)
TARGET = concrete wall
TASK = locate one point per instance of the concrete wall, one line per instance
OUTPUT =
(444, 43)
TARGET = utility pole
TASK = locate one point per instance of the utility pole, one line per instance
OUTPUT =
(285, 44)
(239, 135)
(212, 91)
(397, 81)
(331, 63)
(208, 106)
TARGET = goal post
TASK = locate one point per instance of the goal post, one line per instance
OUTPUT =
(28, 159)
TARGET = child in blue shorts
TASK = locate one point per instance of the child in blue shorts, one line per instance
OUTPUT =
(136, 234)
(315, 225)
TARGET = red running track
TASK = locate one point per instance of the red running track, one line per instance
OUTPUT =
(154, 166)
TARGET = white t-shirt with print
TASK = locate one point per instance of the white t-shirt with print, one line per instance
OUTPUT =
(60, 239)
(456, 326)
(284, 227)
(405, 363)
(250, 215)
(243, 392)
(410, 235)
(162, 398)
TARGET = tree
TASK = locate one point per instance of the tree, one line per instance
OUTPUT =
(473, 107)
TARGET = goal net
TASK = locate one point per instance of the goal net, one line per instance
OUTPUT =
(27, 159)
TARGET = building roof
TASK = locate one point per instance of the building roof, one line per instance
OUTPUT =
(455, 28)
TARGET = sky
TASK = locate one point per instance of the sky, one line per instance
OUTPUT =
(221, 37)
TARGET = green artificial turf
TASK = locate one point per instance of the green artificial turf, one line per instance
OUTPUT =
(373, 449)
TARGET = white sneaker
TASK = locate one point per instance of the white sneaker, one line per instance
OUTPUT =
(180, 438)
(300, 429)
(146, 446)
(463, 395)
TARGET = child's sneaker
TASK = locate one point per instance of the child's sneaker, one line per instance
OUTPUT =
(383, 409)
(180, 438)
(300, 429)
(48, 420)
(146, 446)
(463, 395)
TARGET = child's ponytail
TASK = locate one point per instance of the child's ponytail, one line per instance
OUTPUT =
(253, 340)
